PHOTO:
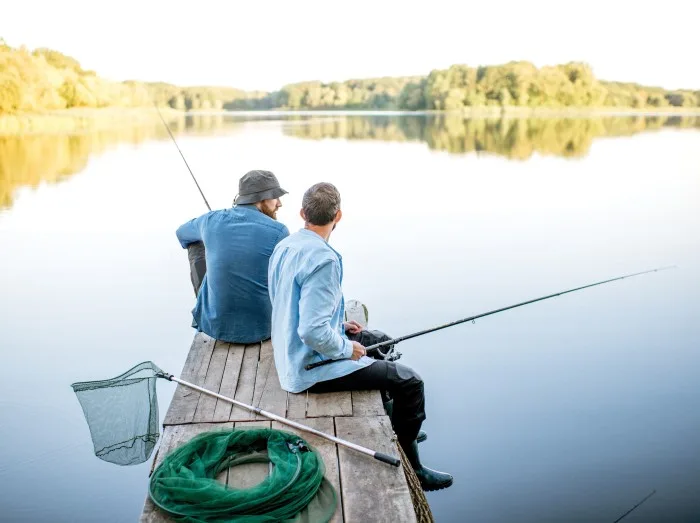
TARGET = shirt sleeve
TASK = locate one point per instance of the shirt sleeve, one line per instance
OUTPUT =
(190, 232)
(320, 293)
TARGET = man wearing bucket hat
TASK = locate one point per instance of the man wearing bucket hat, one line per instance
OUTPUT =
(232, 297)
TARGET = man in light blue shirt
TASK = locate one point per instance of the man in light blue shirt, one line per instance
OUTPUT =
(305, 283)
(233, 303)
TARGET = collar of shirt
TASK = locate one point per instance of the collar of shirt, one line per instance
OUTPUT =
(247, 207)
(312, 234)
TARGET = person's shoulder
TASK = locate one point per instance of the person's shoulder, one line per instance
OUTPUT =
(279, 226)
(276, 231)
(301, 242)
(293, 240)
(217, 214)
(311, 254)
(200, 217)
(262, 219)
(315, 248)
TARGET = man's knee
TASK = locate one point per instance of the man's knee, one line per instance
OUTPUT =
(407, 373)
(408, 395)
(407, 379)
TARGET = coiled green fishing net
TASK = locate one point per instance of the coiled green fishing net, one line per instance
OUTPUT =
(185, 484)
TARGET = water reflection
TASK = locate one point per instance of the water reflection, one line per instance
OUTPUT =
(29, 160)
(32, 159)
(513, 138)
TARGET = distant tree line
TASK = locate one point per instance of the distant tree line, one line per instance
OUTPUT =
(45, 79)
(516, 84)
(370, 93)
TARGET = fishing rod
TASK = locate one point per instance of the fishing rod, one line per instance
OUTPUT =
(183, 156)
(638, 504)
(473, 318)
(195, 251)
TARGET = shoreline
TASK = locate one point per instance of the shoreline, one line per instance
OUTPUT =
(528, 112)
(83, 120)
(96, 119)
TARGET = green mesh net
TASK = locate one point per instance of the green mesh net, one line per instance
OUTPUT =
(122, 414)
(185, 484)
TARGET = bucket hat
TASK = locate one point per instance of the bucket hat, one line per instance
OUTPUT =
(256, 186)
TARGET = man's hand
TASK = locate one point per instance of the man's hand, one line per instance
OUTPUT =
(353, 327)
(358, 351)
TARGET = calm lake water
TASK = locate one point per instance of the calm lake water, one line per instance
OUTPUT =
(571, 409)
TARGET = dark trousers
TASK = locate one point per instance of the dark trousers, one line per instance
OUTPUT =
(198, 264)
(401, 383)
(198, 268)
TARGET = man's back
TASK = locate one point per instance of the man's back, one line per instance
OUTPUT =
(233, 302)
(305, 275)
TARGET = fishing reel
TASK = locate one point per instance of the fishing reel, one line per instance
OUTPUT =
(387, 352)
(357, 311)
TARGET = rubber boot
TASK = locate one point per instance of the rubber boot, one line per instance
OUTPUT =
(429, 479)
(388, 408)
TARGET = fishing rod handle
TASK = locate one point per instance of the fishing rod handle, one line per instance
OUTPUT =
(391, 460)
(320, 364)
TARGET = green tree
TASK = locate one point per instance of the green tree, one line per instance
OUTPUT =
(10, 93)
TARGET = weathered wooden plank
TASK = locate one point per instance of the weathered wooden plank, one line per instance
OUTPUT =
(367, 403)
(296, 405)
(250, 474)
(212, 381)
(265, 364)
(268, 394)
(326, 449)
(229, 382)
(246, 383)
(184, 402)
(173, 436)
(370, 487)
(255, 424)
(329, 404)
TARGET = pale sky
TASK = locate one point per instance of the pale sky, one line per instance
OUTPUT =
(264, 45)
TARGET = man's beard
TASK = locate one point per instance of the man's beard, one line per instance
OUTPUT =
(271, 213)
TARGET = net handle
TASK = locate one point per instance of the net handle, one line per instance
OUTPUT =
(384, 458)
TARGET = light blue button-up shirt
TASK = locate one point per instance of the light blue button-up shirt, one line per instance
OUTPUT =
(305, 279)
(233, 303)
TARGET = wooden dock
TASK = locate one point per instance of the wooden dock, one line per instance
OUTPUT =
(368, 490)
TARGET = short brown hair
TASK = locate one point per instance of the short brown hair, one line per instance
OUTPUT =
(320, 203)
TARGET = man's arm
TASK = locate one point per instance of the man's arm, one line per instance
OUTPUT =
(320, 293)
(190, 232)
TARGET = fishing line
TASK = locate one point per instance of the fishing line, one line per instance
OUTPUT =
(183, 156)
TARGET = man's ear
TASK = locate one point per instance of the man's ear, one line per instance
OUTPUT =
(338, 216)
(303, 216)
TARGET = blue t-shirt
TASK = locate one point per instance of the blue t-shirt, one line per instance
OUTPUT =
(233, 303)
